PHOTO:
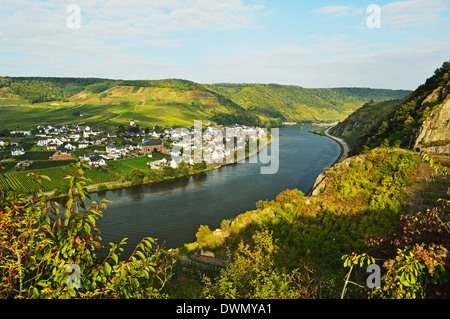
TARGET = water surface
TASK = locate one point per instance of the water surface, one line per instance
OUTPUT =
(172, 211)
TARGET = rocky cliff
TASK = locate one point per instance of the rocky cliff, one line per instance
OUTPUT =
(434, 133)
(323, 180)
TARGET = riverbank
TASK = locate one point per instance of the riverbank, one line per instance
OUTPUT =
(121, 184)
(174, 211)
(249, 155)
(345, 149)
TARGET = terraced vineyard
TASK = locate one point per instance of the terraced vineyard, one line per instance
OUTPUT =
(21, 182)
(16, 182)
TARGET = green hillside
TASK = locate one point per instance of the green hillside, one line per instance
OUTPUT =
(29, 101)
(293, 103)
(26, 102)
(359, 124)
(395, 123)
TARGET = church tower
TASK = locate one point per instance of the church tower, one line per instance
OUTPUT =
(132, 124)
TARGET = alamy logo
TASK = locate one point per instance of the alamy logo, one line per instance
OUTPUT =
(374, 19)
(74, 279)
(74, 19)
(374, 279)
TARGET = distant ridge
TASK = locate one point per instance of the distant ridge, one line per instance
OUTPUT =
(25, 101)
(419, 121)
(292, 103)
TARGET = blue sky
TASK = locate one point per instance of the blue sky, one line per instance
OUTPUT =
(306, 43)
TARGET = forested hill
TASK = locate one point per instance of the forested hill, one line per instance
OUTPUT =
(419, 121)
(172, 102)
(25, 101)
(298, 104)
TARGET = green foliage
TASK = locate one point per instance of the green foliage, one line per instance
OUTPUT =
(284, 102)
(176, 84)
(413, 269)
(102, 188)
(251, 274)
(44, 89)
(101, 87)
(40, 239)
(435, 166)
(19, 181)
(136, 177)
(415, 253)
(366, 198)
(37, 91)
(393, 121)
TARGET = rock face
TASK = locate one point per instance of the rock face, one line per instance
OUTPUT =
(322, 180)
(434, 134)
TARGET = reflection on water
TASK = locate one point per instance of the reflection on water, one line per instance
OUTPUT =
(172, 211)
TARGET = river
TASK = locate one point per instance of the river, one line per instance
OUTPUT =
(172, 211)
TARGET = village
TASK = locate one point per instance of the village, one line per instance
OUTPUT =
(97, 147)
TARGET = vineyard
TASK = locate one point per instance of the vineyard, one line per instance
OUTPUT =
(17, 183)
(48, 164)
(35, 156)
(20, 182)
(10, 166)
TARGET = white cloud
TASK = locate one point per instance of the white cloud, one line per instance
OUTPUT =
(125, 39)
(164, 43)
(400, 14)
(338, 11)
(414, 13)
(335, 65)
(215, 14)
(160, 16)
(37, 31)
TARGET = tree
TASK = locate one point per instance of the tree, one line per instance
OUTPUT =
(168, 171)
(121, 129)
(136, 177)
(183, 169)
(415, 254)
(201, 166)
(251, 273)
(40, 241)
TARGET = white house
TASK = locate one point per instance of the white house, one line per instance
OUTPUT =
(96, 161)
(17, 150)
(173, 164)
(75, 137)
(111, 148)
(157, 164)
(57, 141)
(43, 141)
(70, 147)
(216, 155)
(115, 152)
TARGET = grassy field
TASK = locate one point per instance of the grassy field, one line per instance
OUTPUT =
(127, 165)
(149, 107)
(20, 181)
